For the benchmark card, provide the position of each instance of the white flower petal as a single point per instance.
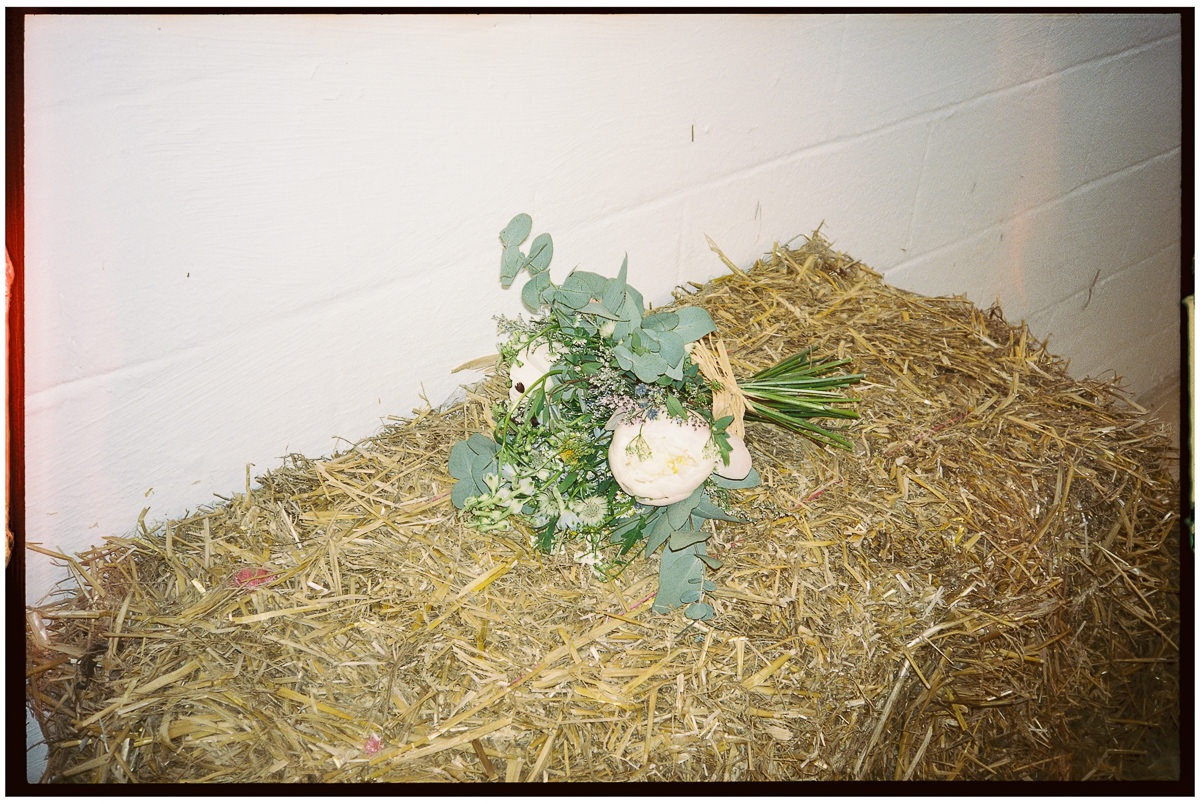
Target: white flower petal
(530, 365)
(739, 460)
(660, 461)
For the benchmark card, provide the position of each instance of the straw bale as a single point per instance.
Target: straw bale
(986, 588)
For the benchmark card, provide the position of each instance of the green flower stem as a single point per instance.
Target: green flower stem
(795, 390)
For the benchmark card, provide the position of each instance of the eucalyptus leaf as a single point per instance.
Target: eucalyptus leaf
(699, 611)
(517, 230)
(574, 297)
(593, 283)
(647, 338)
(683, 538)
(662, 322)
(678, 513)
(749, 481)
(690, 597)
(629, 314)
(480, 443)
(531, 293)
(462, 490)
(624, 356)
(670, 347)
(483, 465)
(541, 250)
(706, 509)
(679, 572)
(614, 291)
(597, 308)
(660, 531)
(636, 304)
(694, 323)
(460, 460)
(511, 260)
(649, 367)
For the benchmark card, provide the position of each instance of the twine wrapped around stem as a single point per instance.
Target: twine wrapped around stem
(728, 399)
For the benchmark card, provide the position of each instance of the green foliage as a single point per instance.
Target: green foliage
(470, 462)
(680, 580)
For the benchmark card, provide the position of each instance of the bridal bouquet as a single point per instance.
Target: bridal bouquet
(623, 430)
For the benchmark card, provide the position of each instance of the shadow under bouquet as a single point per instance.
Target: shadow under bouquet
(623, 430)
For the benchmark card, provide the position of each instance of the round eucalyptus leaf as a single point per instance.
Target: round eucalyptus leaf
(649, 367)
(540, 252)
(670, 346)
(534, 290)
(694, 323)
(517, 230)
(660, 321)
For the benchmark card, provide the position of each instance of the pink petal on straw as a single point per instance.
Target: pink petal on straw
(252, 577)
(373, 745)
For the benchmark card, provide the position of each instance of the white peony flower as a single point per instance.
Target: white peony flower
(530, 365)
(659, 461)
(739, 460)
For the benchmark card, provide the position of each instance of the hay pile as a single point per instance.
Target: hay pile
(987, 588)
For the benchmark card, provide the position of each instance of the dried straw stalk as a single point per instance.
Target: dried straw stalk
(987, 588)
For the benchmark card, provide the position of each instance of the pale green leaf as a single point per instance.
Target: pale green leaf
(517, 230)
(540, 252)
(694, 323)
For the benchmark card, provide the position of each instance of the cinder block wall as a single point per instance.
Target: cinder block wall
(255, 235)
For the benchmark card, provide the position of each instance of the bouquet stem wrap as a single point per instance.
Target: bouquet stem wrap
(728, 399)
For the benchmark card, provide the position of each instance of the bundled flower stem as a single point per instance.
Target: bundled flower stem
(795, 390)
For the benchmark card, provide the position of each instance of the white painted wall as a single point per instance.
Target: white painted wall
(252, 235)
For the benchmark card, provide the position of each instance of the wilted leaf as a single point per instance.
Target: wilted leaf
(779, 733)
